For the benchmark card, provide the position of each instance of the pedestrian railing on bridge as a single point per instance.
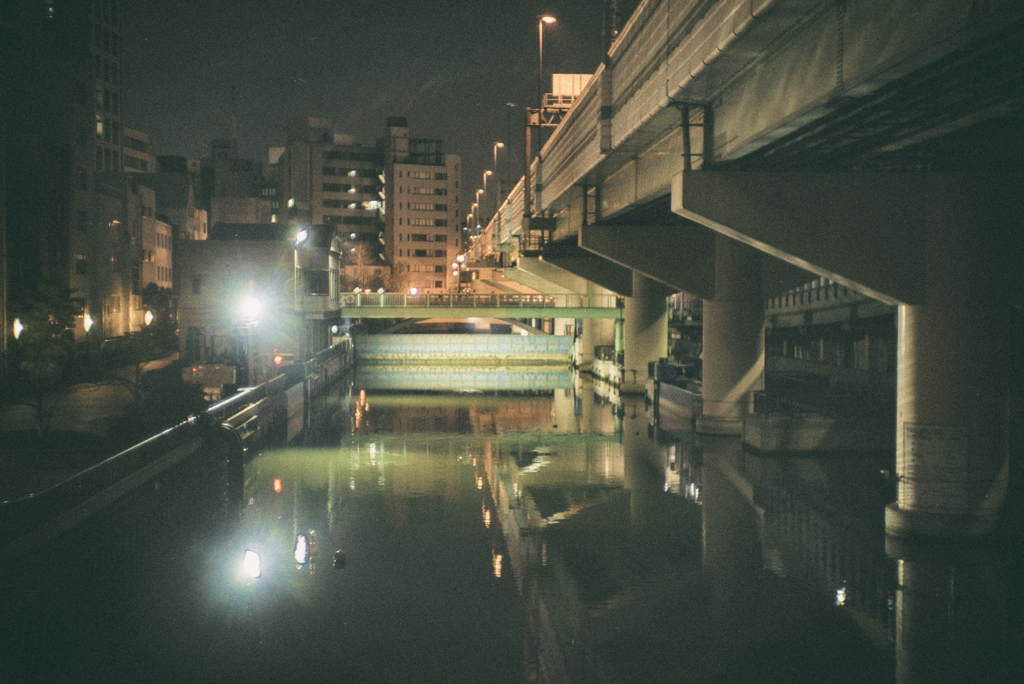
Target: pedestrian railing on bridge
(480, 301)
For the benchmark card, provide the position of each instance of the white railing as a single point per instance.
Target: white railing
(480, 301)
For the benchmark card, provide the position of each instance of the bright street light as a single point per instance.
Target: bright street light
(18, 328)
(252, 307)
(541, 21)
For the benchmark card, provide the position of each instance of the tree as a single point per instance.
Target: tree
(44, 351)
(161, 303)
(363, 266)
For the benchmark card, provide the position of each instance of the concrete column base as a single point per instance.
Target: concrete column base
(715, 425)
(901, 522)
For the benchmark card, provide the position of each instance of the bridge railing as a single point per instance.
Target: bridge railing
(479, 301)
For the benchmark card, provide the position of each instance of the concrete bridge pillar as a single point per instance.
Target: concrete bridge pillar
(946, 247)
(645, 332)
(643, 462)
(951, 620)
(733, 556)
(952, 371)
(733, 348)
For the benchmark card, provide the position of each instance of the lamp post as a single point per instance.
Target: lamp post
(497, 146)
(541, 21)
(486, 196)
(508, 139)
(251, 311)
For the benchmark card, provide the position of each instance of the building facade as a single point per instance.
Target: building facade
(66, 222)
(293, 276)
(110, 257)
(329, 179)
(138, 155)
(422, 217)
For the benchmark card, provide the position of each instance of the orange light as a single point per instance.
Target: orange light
(362, 397)
(277, 485)
(278, 359)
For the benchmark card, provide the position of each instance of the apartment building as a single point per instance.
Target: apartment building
(421, 225)
(138, 155)
(328, 178)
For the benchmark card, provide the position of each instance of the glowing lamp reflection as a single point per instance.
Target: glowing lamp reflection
(301, 548)
(277, 485)
(496, 564)
(251, 563)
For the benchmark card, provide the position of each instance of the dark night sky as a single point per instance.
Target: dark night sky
(449, 66)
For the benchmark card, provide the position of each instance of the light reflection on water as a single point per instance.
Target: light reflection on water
(566, 539)
(552, 535)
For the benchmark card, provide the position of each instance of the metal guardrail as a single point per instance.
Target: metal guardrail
(55, 510)
(480, 301)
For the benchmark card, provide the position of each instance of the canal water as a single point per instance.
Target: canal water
(554, 534)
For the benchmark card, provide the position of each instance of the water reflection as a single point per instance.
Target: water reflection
(550, 535)
(464, 378)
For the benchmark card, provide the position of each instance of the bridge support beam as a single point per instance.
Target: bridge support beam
(594, 332)
(645, 331)
(733, 345)
(946, 248)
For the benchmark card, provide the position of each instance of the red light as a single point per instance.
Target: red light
(278, 359)
(362, 397)
(277, 485)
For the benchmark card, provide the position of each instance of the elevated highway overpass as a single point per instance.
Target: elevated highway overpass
(734, 149)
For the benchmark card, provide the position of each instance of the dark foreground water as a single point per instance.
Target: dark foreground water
(553, 535)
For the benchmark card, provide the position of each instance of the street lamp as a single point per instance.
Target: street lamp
(250, 311)
(541, 21)
(497, 146)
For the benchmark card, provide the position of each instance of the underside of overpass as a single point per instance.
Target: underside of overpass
(880, 145)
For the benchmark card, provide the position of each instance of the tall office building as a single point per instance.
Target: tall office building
(421, 224)
(137, 153)
(328, 178)
(60, 115)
